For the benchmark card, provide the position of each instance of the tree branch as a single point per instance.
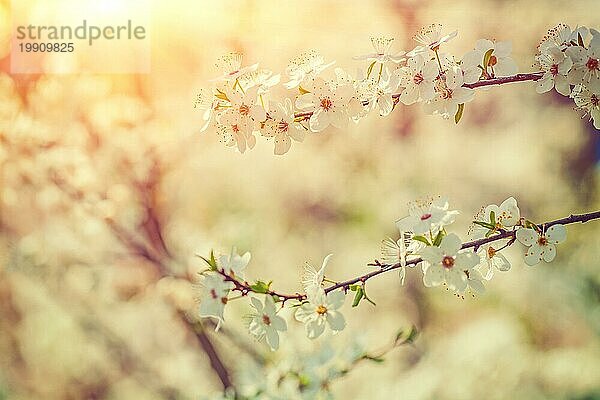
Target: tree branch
(244, 287)
(532, 76)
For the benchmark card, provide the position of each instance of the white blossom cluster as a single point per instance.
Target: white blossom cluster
(570, 60)
(241, 103)
(424, 243)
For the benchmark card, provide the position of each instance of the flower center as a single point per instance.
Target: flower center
(321, 310)
(418, 78)
(266, 320)
(595, 100)
(493, 61)
(282, 126)
(447, 94)
(592, 64)
(425, 217)
(213, 293)
(542, 241)
(448, 262)
(491, 252)
(235, 128)
(244, 109)
(554, 69)
(224, 300)
(326, 104)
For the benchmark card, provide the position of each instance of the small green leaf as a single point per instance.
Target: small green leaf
(358, 296)
(422, 239)
(459, 113)
(302, 90)
(260, 286)
(370, 69)
(405, 336)
(486, 58)
(373, 358)
(484, 224)
(354, 288)
(493, 218)
(211, 261)
(438, 238)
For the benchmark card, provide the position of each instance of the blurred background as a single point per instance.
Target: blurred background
(108, 191)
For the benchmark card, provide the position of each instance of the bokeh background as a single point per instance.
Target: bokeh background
(108, 191)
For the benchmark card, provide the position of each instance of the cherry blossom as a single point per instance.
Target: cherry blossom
(214, 298)
(417, 79)
(320, 310)
(445, 264)
(282, 126)
(313, 279)
(499, 62)
(556, 65)
(449, 94)
(265, 324)
(490, 259)
(588, 101)
(328, 105)
(382, 54)
(542, 244)
(427, 215)
(231, 65)
(586, 63)
(304, 67)
(233, 263)
(431, 38)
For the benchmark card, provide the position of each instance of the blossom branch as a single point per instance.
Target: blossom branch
(244, 288)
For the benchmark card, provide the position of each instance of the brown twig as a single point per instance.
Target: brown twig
(244, 287)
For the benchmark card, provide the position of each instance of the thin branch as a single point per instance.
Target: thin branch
(532, 76)
(244, 287)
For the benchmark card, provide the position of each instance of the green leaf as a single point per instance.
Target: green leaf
(406, 336)
(373, 358)
(422, 239)
(484, 224)
(493, 218)
(438, 238)
(358, 296)
(211, 261)
(354, 288)
(459, 113)
(486, 58)
(261, 287)
(302, 90)
(370, 69)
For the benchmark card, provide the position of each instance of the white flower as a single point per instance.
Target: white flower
(382, 55)
(427, 215)
(265, 323)
(449, 93)
(382, 93)
(542, 244)
(445, 264)
(562, 37)
(239, 121)
(262, 78)
(417, 79)
(206, 105)
(281, 126)
(505, 216)
(489, 260)
(306, 66)
(328, 105)
(233, 264)
(397, 252)
(555, 65)
(311, 278)
(320, 310)
(586, 63)
(588, 101)
(499, 63)
(474, 282)
(231, 65)
(470, 66)
(430, 38)
(214, 297)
